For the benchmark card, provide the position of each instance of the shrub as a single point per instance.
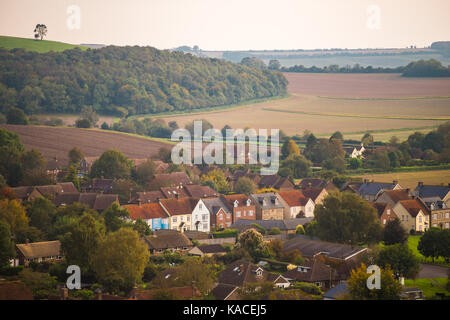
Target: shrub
(259, 228)
(308, 288)
(11, 271)
(274, 231)
(226, 233)
(83, 123)
(84, 294)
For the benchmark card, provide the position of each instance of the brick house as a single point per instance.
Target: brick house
(220, 215)
(385, 212)
(241, 206)
(413, 215)
(297, 204)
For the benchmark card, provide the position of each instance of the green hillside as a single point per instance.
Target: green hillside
(35, 45)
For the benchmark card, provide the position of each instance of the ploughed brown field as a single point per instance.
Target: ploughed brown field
(56, 142)
(350, 103)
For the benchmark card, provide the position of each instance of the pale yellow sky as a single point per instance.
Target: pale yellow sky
(235, 24)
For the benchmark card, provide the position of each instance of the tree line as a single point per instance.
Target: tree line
(126, 81)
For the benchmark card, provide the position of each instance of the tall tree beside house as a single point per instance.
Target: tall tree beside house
(75, 155)
(11, 149)
(394, 233)
(218, 178)
(295, 166)
(194, 270)
(357, 285)
(141, 227)
(347, 218)
(72, 176)
(289, 147)
(429, 243)
(79, 245)
(145, 172)
(245, 185)
(120, 259)
(6, 245)
(401, 259)
(367, 139)
(165, 154)
(115, 217)
(41, 213)
(112, 164)
(13, 214)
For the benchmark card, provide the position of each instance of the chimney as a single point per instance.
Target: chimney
(395, 182)
(177, 196)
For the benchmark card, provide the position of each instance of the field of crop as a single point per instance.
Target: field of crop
(410, 179)
(34, 45)
(351, 103)
(56, 142)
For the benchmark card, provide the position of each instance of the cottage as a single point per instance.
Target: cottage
(427, 192)
(241, 273)
(181, 213)
(98, 185)
(391, 197)
(208, 250)
(369, 190)
(151, 213)
(28, 193)
(276, 182)
(317, 195)
(316, 272)
(168, 240)
(174, 179)
(38, 252)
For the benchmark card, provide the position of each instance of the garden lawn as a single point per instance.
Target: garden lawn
(429, 287)
(413, 242)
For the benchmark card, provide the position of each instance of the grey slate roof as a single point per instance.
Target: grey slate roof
(372, 188)
(269, 200)
(310, 248)
(432, 191)
(336, 291)
(214, 205)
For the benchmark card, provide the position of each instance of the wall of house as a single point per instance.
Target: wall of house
(201, 218)
(440, 218)
(244, 212)
(176, 221)
(272, 214)
(408, 222)
(387, 216)
(422, 222)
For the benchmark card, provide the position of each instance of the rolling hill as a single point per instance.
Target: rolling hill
(36, 45)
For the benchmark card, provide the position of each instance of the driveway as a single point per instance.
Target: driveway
(432, 271)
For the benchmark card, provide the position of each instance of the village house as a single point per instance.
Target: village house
(440, 214)
(53, 168)
(413, 215)
(28, 193)
(385, 212)
(241, 206)
(355, 152)
(168, 240)
(316, 183)
(98, 185)
(269, 206)
(146, 197)
(433, 193)
(275, 182)
(317, 195)
(220, 215)
(173, 179)
(369, 190)
(316, 272)
(298, 205)
(201, 217)
(186, 214)
(94, 201)
(38, 252)
(86, 164)
(391, 197)
(241, 273)
(151, 213)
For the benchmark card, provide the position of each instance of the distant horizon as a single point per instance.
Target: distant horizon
(218, 50)
(233, 25)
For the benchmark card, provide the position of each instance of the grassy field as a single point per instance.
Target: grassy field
(410, 179)
(34, 45)
(386, 104)
(429, 286)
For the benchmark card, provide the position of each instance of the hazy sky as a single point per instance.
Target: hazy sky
(234, 24)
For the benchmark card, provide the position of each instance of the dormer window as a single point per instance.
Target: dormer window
(236, 203)
(248, 202)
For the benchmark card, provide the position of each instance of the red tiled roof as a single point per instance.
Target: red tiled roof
(294, 198)
(241, 198)
(397, 195)
(413, 206)
(197, 191)
(312, 193)
(146, 211)
(179, 206)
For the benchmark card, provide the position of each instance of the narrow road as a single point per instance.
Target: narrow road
(432, 271)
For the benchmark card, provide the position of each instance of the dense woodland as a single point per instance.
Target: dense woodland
(127, 81)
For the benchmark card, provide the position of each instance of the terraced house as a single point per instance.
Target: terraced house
(269, 206)
(186, 214)
(241, 206)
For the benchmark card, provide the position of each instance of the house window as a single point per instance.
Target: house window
(384, 221)
(420, 228)
(238, 214)
(188, 218)
(388, 211)
(447, 225)
(174, 219)
(420, 219)
(407, 218)
(205, 226)
(200, 206)
(403, 218)
(447, 215)
(435, 216)
(220, 216)
(250, 213)
(205, 217)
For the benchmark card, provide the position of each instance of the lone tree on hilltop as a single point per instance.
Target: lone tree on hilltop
(40, 31)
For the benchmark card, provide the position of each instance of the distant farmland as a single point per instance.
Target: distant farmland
(351, 103)
(56, 142)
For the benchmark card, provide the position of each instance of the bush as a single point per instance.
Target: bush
(226, 233)
(258, 228)
(308, 288)
(84, 294)
(83, 123)
(274, 231)
(11, 271)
